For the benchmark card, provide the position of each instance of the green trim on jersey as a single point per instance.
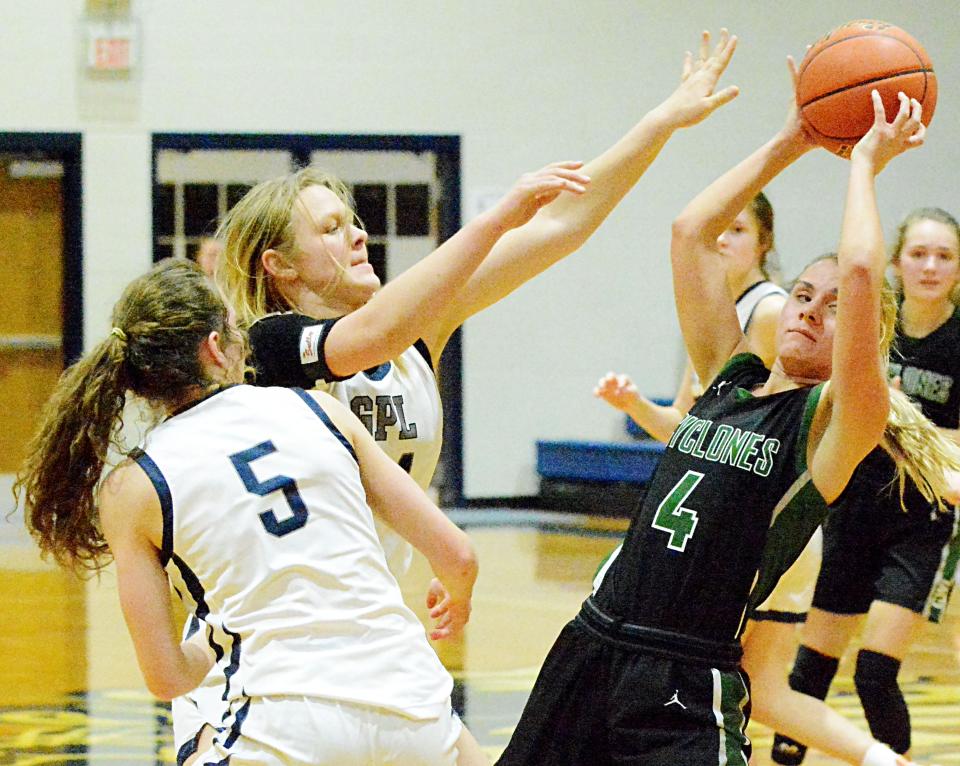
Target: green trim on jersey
(795, 517)
(735, 361)
(730, 697)
(943, 583)
(801, 510)
(813, 399)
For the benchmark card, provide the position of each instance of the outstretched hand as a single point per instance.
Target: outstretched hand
(694, 100)
(450, 614)
(617, 390)
(885, 140)
(541, 187)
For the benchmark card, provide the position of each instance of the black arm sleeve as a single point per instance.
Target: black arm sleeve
(288, 350)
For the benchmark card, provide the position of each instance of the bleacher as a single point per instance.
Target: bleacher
(602, 478)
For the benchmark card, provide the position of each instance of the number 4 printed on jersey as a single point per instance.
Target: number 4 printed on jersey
(672, 517)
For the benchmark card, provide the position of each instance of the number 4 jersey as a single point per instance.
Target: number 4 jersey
(269, 541)
(730, 507)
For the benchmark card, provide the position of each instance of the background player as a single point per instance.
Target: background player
(744, 249)
(891, 587)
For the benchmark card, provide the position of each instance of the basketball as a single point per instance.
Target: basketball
(840, 70)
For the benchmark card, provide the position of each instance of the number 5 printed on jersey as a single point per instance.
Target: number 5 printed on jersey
(672, 517)
(241, 461)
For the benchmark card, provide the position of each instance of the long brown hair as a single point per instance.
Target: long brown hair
(762, 212)
(262, 221)
(158, 326)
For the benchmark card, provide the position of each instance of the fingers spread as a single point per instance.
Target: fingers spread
(704, 45)
(725, 49)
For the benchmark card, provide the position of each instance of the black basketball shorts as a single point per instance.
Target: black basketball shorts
(598, 702)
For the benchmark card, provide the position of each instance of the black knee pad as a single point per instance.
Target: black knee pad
(883, 703)
(813, 672)
(812, 675)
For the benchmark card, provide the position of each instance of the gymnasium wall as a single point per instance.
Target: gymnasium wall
(522, 82)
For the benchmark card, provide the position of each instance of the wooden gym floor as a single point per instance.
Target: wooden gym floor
(70, 691)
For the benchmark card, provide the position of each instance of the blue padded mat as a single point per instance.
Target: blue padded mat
(598, 461)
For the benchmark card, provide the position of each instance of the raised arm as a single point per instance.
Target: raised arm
(409, 307)
(658, 420)
(706, 310)
(130, 516)
(859, 399)
(564, 225)
(398, 499)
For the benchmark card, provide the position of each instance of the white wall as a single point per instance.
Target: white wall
(523, 82)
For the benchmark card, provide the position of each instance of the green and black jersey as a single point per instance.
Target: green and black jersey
(929, 369)
(729, 508)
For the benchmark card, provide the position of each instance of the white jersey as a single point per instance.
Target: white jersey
(269, 541)
(751, 297)
(746, 306)
(399, 404)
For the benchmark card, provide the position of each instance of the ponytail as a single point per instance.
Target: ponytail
(153, 351)
(66, 456)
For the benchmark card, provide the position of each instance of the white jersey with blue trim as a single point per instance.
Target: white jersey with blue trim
(399, 404)
(750, 298)
(746, 306)
(269, 541)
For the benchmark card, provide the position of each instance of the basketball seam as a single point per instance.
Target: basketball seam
(868, 33)
(874, 79)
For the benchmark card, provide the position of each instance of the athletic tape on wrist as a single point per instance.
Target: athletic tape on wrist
(879, 754)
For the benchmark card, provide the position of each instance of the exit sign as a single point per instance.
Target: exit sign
(111, 46)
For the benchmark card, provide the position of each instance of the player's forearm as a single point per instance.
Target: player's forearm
(657, 420)
(613, 173)
(808, 720)
(455, 565)
(708, 215)
(409, 307)
(860, 390)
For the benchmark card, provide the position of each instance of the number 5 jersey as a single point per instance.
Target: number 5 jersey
(269, 541)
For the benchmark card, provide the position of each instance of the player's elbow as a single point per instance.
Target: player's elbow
(165, 687)
(684, 231)
(167, 683)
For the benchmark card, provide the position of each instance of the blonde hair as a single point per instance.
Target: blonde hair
(922, 454)
(261, 221)
(153, 350)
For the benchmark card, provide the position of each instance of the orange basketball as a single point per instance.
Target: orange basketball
(840, 70)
